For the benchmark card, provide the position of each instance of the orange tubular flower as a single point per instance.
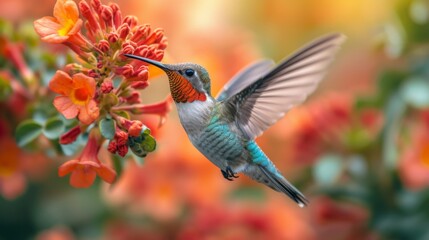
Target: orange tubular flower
(63, 25)
(86, 167)
(77, 96)
(159, 108)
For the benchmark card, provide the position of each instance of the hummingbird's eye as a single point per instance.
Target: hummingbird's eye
(189, 72)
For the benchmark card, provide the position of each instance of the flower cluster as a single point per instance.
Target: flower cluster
(102, 88)
(330, 123)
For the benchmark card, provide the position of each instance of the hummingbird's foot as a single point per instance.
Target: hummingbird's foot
(228, 174)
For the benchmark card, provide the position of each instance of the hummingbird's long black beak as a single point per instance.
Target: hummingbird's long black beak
(150, 61)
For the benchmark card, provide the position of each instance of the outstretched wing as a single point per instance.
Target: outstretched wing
(244, 78)
(265, 101)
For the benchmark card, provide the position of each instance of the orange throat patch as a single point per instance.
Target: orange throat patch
(182, 90)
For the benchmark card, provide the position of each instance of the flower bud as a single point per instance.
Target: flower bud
(100, 64)
(107, 15)
(117, 14)
(140, 85)
(159, 55)
(133, 98)
(70, 136)
(128, 49)
(135, 129)
(112, 147)
(96, 4)
(140, 34)
(127, 70)
(122, 150)
(93, 73)
(123, 31)
(106, 86)
(131, 21)
(87, 13)
(163, 43)
(73, 68)
(112, 37)
(103, 45)
(141, 50)
(155, 37)
(121, 137)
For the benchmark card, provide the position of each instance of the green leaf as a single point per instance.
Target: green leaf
(149, 143)
(40, 117)
(327, 169)
(146, 130)
(415, 92)
(109, 100)
(54, 127)
(123, 114)
(26, 32)
(248, 192)
(367, 102)
(118, 164)
(393, 112)
(389, 83)
(357, 139)
(413, 23)
(71, 149)
(5, 89)
(5, 28)
(107, 128)
(27, 131)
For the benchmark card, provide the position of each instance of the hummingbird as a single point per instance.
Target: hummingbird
(224, 128)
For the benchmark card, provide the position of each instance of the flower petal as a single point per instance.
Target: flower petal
(67, 167)
(70, 7)
(61, 83)
(82, 81)
(90, 163)
(66, 11)
(106, 173)
(66, 107)
(46, 26)
(76, 28)
(89, 113)
(54, 38)
(82, 177)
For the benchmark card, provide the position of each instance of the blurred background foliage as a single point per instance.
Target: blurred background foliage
(358, 148)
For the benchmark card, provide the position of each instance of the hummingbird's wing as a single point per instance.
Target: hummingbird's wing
(244, 78)
(266, 100)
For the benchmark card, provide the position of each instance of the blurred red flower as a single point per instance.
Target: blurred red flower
(340, 220)
(16, 165)
(272, 219)
(328, 123)
(56, 233)
(414, 163)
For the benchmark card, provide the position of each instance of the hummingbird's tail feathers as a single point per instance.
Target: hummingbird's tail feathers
(279, 183)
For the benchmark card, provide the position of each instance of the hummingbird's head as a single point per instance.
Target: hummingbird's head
(188, 82)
